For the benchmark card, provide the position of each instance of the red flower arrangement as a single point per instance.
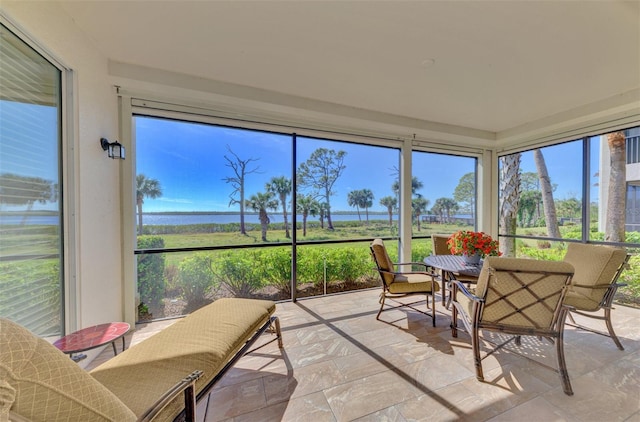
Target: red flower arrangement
(469, 243)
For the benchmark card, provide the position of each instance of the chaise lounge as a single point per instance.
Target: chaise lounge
(145, 382)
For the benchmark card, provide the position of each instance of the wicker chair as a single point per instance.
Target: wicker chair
(594, 283)
(516, 296)
(440, 247)
(396, 284)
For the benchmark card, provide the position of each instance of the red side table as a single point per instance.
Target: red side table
(92, 337)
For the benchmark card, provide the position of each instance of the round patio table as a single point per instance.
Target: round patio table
(453, 267)
(92, 337)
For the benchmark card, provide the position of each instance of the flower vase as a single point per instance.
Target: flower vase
(473, 259)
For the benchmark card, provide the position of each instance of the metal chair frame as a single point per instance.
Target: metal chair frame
(474, 323)
(606, 305)
(387, 294)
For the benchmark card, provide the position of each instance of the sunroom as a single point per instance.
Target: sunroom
(264, 145)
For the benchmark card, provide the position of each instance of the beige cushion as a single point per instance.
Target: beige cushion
(205, 340)
(383, 260)
(595, 265)
(411, 283)
(14, 417)
(500, 277)
(580, 301)
(440, 246)
(466, 303)
(400, 283)
(41, 383)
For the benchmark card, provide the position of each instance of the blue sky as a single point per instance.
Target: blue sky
(188, 160)
(564, 164)
(24, 149)
(29, 139)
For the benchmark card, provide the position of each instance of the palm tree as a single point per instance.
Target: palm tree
(307, 206)
(416, 185)
(145, 188)
(261, 202)
(353, 200)
(322, 212)
(419, 206)
(616, 200)
(445, 206)
(391, 203)
(438, 210)
(550, 217)
(451, 206)
(509, 199)
(366, 201)
(281, 186)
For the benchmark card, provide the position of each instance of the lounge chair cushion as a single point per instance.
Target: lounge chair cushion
(207, 339)
(40, 383)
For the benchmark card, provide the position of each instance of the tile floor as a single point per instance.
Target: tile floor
(340, 364)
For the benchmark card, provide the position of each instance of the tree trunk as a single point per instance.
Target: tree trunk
(390, 211)
(616, 201)
(264, 224)
(264, 232)
(242, 228)
(23, 221)
(285, 217)
(550, 217)
(139, 203)
(329, 222)
(304, 224)
(509, 199)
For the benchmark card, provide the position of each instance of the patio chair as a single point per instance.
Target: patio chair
(516, 296)
(439, 242)
(595, 283)
(397, 284)
(440, 247)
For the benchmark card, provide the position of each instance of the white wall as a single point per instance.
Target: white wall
(96, 177)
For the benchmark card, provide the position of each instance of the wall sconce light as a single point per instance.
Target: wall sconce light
(115, 149)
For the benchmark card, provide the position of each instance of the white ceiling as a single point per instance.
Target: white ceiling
(489, 65)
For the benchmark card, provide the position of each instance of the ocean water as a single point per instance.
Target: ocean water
(181, 219)
(204, 218)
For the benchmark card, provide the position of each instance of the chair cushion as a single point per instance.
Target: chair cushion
(466, 303)
(595, 265)
(41, 383)
(580, 301)
(504, 280)
(383, 260)
(412, 283)
(440, 246)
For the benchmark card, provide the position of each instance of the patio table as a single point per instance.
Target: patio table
(453, 267)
